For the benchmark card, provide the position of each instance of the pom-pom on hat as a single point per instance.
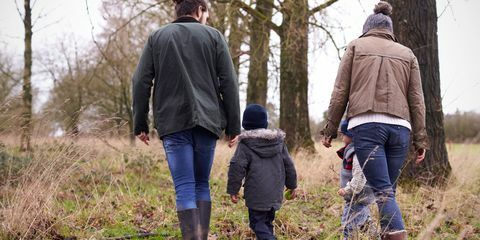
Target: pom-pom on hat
(380, 17)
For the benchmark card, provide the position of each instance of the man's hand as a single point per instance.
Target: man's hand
(327, 141)
(232, 140)
(341, 192)
(144, 138)
(420, 155)
(234, 198)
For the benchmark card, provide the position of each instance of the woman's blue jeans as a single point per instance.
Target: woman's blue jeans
(190, 156)
(381, 150)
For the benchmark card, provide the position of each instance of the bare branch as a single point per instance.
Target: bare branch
(329, 34)
(41, 14)
(449, 5)
(8, 74)
(34, 3)
(254, 13)
(48, 25)
(321, 7)
(133, 18)
(18, 10)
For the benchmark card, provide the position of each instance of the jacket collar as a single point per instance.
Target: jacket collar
(268, 134)
(380, 33)
(186, 19)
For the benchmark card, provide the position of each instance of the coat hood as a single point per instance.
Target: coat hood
(264, 142)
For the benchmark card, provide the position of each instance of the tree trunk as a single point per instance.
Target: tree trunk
(415, 24)
(259, 55)
(26, 122)
(219, 16)
(294, 116)
(235, 37)
(130, 119)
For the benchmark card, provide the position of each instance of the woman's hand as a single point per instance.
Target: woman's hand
(420, 155)
(327, 141)
(341, 192)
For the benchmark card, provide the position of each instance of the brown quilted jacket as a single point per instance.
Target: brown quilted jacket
(379, 75)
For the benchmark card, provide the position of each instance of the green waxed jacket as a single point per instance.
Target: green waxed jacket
(193, 78)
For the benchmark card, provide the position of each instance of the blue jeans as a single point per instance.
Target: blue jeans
(381, 150)
(261, 222)
(190, 156)
(354, 217)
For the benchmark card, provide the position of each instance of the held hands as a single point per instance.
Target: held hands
(234, 198)
(144, 138)
(232, 140)
(342, 192)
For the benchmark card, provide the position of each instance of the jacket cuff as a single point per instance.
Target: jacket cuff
(232, 132)
(140, 130)
(421, 141)
(232, 192)
(291, 186)
(329, 131)
(348, 190)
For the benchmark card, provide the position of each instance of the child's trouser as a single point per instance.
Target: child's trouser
(354, 217)
(261, 222)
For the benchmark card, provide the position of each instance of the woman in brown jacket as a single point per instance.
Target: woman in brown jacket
(379, 80)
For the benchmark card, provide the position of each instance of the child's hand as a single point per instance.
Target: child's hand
(232, 141)
(341, 192)
(234, 198)
(290, 194)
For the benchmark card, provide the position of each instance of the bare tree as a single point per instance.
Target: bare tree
(259, 54)
(293, 32)
(26, 121)
(119, 44)
(70, 94)
(416, 26)
(237, 33)
(9, 79)
(10, 106)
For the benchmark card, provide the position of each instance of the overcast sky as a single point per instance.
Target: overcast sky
(459, 34)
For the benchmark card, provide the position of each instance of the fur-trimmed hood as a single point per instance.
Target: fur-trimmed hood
(265, 143)
(268, 134)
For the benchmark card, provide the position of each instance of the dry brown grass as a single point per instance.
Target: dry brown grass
(106, 181)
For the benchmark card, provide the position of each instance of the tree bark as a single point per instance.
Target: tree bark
(415, 26)
(218, 19)
(235, 37)
(294, 115)
(26, 121)
(259, 55)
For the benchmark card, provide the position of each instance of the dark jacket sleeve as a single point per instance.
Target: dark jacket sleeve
(416, 104)
(290, 172)
(340, 95)
(237, 170)
(142, 82)
(228, 87)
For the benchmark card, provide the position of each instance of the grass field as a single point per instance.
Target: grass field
(92, 189)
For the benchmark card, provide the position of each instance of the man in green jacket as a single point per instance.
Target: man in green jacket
(195, 98)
